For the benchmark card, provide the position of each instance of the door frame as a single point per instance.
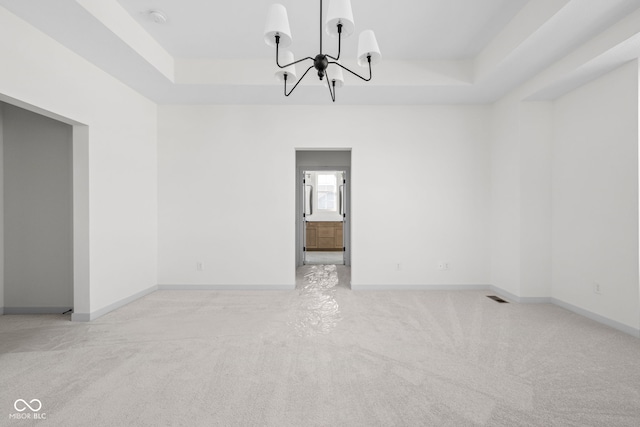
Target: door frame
(299, 223)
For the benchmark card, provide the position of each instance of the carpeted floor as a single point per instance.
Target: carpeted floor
(246, 358)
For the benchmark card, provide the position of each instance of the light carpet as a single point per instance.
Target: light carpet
(240, 358)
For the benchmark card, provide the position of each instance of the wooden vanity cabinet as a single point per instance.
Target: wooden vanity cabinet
(324, 236)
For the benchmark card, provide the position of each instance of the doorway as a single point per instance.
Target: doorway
(323, 203)
(37, 213)
(323, 215)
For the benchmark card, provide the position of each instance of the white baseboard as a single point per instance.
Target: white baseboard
(598, 318)
(419, 287)
(521, 300)
(507, 296)
(80, 317)
(87, 317)
(226, 287)
(581, 311)
(34, 310)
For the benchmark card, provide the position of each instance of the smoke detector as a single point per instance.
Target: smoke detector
(157, 16)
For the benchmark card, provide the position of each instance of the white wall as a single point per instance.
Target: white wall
(564, 198)
(38, 246)
(505, 196)
(426, 197)
(41, 75)
(519, 167)
(536, 130)
(595, 196)
(521, 197)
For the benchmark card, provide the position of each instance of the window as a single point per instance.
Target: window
(327, 192)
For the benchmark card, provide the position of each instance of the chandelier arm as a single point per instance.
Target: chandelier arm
(339, 44)
(297, 83)
(354, 73)
(287, 65)
(320, 62)
(330, 83)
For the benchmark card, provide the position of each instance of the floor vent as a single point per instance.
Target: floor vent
(497, 299)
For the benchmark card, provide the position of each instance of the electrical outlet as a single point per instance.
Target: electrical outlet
(443, 265)
(199, 266)
(597, 288)
(398, 266)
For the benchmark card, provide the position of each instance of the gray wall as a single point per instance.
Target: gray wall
(323, 158)
(38, 220)
(1, 210)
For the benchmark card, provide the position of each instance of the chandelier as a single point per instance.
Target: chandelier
(339, 24)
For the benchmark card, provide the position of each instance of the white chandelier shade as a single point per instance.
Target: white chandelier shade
(290, 70)
(277, 25)
(339, 12)
(339, 23)
(335, 75)
(368, 46)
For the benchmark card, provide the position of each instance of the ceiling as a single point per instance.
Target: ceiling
(433, 51)
(446, 29)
